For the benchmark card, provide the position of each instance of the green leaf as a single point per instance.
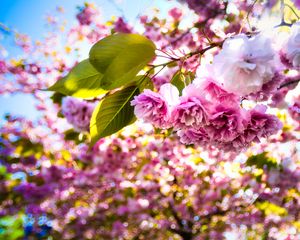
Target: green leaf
(2, 170)
(189, 77)
(26, 148)
(71, 135)
(261, 160)
(120, 57)
(11, 227)
(57, 98)
(178, 81)
(83, 81)
(265, 235)
(129, 192)
(113, 113)
(143, 82)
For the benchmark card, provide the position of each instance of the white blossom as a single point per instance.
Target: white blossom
(293, 46)
(245, 64)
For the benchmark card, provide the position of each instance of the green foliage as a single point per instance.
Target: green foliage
(120, 57)
(71, 135)
(142, 81)
(2, 170)
(178, 80)
(265, 235)
(11, 227)
(83, 81)
(189, 77)
(262, 160)
(113, 113)
(57, 98)
(129, 192)
(26, 148)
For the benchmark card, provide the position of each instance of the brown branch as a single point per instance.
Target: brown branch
(186, 235)
(178, 38)
(175, 215)
(289, 83)
(200, 52)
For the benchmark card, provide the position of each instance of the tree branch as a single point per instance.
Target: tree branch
(202, 51)
(289, 83)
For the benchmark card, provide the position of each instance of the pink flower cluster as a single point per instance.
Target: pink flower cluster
(206, 9)
(87, 15)
(206, 115)
(209, 112)
(77, 112)
(3, 67)
(155, 108)
(121, 26)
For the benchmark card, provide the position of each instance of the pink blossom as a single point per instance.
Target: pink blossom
(77, 112)
(151, 107)
(206, 9)
(3, 67)
(294, 110)
(214, 92)
(262, 124)
(155, 107)
(290, 53)
(190, 113)
(268, 89)
(225, 123)
(278, 98)
(193, 136)
(175, 13)
(121, 26)
(245, 63)
(87, 15)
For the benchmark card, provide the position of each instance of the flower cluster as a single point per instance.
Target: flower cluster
(121, 26)
(87, 15)
(209, 112)
(77, 112)
(245, 64)
(156, 108)
(206, 114)
(3, 67)
(206, 9)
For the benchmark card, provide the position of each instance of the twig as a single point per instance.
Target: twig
(283, 22)
(179, 38)
(292, 9)
(248, 14)
(289, 83)
(202, 51)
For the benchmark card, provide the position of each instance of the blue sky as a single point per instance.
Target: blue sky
(28, 16)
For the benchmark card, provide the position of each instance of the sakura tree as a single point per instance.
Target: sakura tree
(183, 126)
